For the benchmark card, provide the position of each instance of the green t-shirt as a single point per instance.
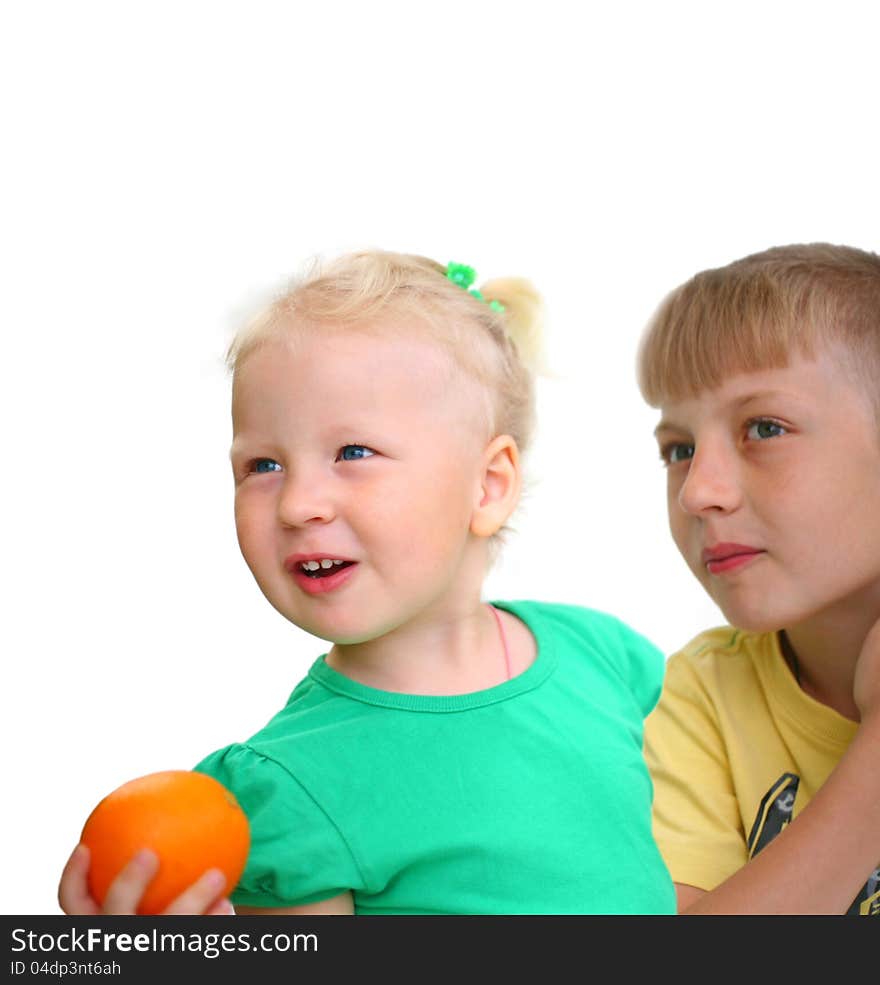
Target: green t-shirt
(528, 797)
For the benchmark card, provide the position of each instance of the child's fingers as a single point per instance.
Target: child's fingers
(73, 890)
(128, 887)
(202, 895)
(222, 908)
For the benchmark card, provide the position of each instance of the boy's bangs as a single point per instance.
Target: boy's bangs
(704, 333)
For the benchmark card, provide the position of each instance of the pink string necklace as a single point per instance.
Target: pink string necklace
(503, 641)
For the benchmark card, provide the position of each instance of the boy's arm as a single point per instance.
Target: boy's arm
(820, 861)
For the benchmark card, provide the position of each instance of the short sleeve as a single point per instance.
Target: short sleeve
(297, 855)
(696, 816)
(646, 666)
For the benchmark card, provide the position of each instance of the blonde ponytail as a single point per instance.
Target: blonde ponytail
(523, 316)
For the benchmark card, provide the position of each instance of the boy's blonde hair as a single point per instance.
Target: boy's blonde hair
(381, 290)
(756, 312)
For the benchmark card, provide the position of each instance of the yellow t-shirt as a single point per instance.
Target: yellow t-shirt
(736, 749)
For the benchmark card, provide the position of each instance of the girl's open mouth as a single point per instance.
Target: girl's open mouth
(317, 577)
(324, 568)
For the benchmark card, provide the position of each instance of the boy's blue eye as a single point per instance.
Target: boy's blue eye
(763, 429)
(351, 453)
(679, 452)
(260, 465)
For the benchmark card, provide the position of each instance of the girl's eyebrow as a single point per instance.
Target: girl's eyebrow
(239, 446)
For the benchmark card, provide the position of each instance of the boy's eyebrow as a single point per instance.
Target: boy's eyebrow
(665, 425)
(746, 398)
(767, 393)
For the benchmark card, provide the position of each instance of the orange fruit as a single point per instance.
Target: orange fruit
(190, 820)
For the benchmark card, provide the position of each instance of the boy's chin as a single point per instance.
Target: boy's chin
(753, 622)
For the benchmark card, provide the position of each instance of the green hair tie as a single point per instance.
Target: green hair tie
(463, 275)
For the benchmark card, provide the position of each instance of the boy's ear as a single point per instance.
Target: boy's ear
(499, 488)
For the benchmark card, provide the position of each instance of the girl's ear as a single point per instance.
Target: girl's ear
(499, 488)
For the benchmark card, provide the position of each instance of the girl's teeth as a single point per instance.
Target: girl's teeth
(323, 563)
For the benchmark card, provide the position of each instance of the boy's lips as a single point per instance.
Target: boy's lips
(725, 557)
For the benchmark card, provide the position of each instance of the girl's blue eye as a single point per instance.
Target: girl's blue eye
(679, 452)
(260, 465)
(763, 429)
(351, 453)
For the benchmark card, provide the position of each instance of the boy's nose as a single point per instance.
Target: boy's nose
(711, 483)
(305, 501)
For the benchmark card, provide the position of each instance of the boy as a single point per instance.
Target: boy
(765, 746)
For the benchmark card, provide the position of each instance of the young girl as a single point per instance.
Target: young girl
(445, 755)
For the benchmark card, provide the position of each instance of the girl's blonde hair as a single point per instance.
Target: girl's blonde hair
(756, 312)
(379, 290)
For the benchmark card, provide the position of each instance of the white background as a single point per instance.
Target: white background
(167, 164)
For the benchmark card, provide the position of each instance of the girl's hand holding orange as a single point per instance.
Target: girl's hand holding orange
(127, 890)
(167, 843)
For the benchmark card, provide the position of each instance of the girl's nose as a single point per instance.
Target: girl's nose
(305, 501)
(712, 482)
